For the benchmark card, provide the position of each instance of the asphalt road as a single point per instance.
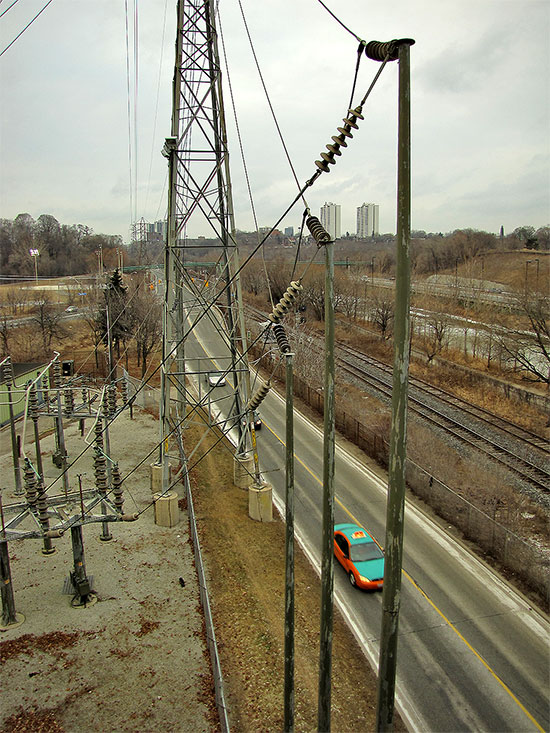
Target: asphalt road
(473, 655)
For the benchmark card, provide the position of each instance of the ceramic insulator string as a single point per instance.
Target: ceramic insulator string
(281, 338)
(289, 297)
(259, 397)
(339, 141)
(318, 231)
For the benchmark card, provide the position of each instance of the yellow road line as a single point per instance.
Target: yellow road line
(432, 604)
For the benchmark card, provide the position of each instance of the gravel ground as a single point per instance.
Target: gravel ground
(137, 658)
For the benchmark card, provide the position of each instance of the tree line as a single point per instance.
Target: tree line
(121, 320)
(63, 249)
(512, 335)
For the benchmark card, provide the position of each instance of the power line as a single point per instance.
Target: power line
(25, 28)
(129, 104)
(269, 101)
(10, 7)
(136, 79)
(156, 106)
(329, 11)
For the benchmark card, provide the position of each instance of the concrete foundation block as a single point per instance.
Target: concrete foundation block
(156, 477)
(260, 504)
(243, 470)
(167, 513)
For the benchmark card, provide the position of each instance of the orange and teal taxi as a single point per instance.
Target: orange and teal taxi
(359, 555)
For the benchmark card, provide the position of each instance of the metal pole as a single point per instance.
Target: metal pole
(327, 564)
(33, 402)
(61, 443)
(289, 547)
(109, 337)
(9, 615)
(80, 579)
(227, 221)
(14, 446)
(396, 490)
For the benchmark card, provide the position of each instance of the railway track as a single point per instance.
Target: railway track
(529, 470)
(523, 453)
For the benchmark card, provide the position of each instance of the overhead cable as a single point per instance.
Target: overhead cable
(25, 28)
(8, 8)
(243, 158)
(129, 113)
(269, 102)
(329, 11)
(153, 142)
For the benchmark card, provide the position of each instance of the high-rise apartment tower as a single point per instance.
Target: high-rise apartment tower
(367, 221)
(331, 217)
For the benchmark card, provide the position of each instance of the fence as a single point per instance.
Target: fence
(527, 561)
(145, 396)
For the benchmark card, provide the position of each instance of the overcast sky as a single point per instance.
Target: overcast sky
(480, 110)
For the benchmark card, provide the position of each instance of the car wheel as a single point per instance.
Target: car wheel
(352, 579)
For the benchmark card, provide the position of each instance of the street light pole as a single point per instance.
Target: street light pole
(34, 253)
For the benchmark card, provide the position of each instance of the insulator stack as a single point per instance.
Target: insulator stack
(289, 297)
(68, 395)
(42, 506)
(33, 404)
(100, 463)
(98, 430)
(7, 373)
(259, 397)
(46, 390)
(56, 375)
(281, 338)
(339, 141)
(84, 397)
(318, 231)
(30, 485)
(111, 399)
(117, 488)
(124, 391)
(379, 51)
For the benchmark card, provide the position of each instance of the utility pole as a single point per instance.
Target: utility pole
(9, 380)
(395, 513)
(289, 547)
(327, 541)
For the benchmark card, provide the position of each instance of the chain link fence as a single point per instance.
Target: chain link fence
(145, 396)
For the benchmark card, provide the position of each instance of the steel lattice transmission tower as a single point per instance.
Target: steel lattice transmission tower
(200, 188)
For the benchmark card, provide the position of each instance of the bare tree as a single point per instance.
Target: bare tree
(48, 319)
(381, 313)
(434, 335)
(528, 345)
(347, 288)
(5, 332)
(144, 313)
(16, 300)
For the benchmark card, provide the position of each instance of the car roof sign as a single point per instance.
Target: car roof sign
(357, 535)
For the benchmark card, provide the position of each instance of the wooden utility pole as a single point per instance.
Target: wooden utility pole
(395, 514)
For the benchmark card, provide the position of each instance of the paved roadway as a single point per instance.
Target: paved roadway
(473, 655)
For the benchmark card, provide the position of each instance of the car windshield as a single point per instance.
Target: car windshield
(365, 551)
